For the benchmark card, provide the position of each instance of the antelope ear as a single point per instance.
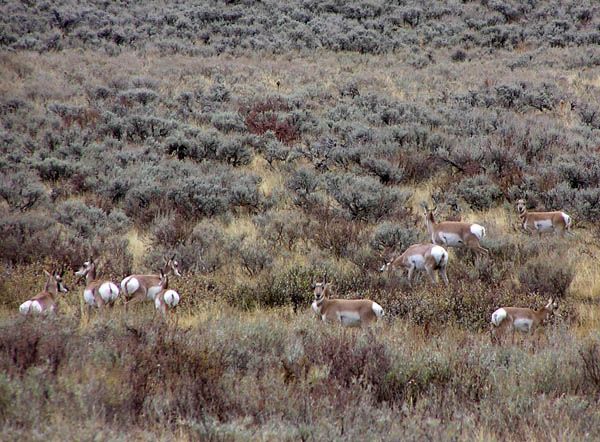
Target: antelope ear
(173, 257)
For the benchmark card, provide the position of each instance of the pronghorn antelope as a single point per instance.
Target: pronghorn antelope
(524, 320)
(428, 257)
(166, 299)
(454, 233)
(136, 288)
(349, 312)
(543, 221)
(97, 292)
(44, 302)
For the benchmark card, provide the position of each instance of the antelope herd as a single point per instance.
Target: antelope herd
(431, 257)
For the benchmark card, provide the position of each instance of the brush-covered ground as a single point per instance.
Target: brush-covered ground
(266, 145)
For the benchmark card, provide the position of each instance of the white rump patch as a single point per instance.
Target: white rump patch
(478, 231)
(171, 298)
(566, 218)
(377, 309)
(543, 225)
(349, 318)
(498, 316)
(24, 308)
(439, 254)
(108, 292)
(523, 324)
(449, 239)
(88, 297)
(130, 285)
(36, 307)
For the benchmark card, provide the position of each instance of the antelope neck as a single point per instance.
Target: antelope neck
(90, 275)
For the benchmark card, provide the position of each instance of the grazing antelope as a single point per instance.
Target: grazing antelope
(166, 299)
(543, 221)
(349, 312)
(428, 257)
(524, 320)
(454, 233)
(136, 288)
(97, 292)
(45, 302)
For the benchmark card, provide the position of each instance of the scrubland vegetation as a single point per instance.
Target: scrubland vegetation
(266, 144)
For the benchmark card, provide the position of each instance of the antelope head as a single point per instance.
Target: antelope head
(387, 264)
(172, 265)
(551, 305)
(55, 278)
(87, 267)
(521, 206)
(321, 289)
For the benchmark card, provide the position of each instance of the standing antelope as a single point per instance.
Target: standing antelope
(166, 299)
(524, 320)
(97, 292)
(136, 288)
(349, 312)
(428, 257)
(543, 221)
(44, 302)
(454, 233)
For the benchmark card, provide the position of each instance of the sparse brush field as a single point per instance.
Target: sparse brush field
(266, 144)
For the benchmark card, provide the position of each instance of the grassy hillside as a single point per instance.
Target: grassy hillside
(266, 144)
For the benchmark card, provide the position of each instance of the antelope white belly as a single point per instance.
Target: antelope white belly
(153, 291)
(418, 261)
(349, 318)
(544, 225)
(88, 297)
(449, 239)
(523, 324)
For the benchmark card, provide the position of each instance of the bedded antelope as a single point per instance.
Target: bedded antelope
(543, 221)
(428, 257)
(349, 312)
(166, 299)
(45, 302)
(454, 233)
(136, 288)
(524, 320)
(97, 292)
